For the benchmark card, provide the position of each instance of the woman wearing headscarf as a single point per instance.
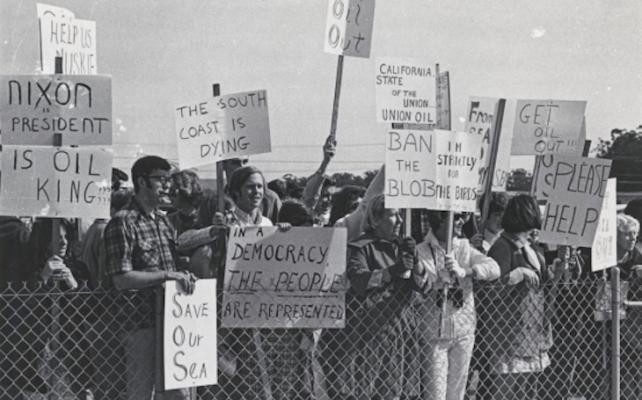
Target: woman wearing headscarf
(379, 345)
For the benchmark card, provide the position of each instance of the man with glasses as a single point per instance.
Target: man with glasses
(141, 253)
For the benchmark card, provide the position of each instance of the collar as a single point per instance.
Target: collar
(432, 241)
(515, 240)
(135, 204)
(247, 219)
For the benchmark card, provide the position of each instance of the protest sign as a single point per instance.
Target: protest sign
(405, 91)
(35, 107)
(62, 35)
(348, 28)
(62, 182)
(293, 279)
(230, 126)
(574, 188)
(548, 127)
(604, 249)
(189, 336)
(432, 169)
(479, 122)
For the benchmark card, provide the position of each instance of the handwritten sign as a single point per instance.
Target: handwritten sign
(479, 122)
(224, 127)
(293, 279)
(604, 249)
(548, 127)
(436, 169)
(405, 91)
(189, 336)
(574, 189)
(34, 107)
(61, 182)
(62, 35)
(348, 28)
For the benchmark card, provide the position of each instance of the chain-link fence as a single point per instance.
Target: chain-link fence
(553, 343)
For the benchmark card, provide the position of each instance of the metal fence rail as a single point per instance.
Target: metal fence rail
(57, 344)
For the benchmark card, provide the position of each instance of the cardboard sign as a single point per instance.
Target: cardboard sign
(348, 29)
(574, 189)
(405, 91)
(604, 249)
(293, 279)
(479, 122)
(62, 182)
(62, 35)
(34, 107)
(548, 127)
(436, 169)
(443, 101)
(189, 336)
(230, 126)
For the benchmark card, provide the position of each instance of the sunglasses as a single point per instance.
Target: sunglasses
(162, 179)
(463, 216)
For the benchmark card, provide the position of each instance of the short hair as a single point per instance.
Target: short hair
(522, 214)
(435, 218)
(296, 213)
(238, 178)
(634, 209)
(146, 165)
(374, 212)
(278, 186)
(342, 199)
(498, 202)
(120, 199)
(117, 177)
(627, 222)
(187, 186)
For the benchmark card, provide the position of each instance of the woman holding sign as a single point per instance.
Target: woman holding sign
(380, 339)
(268, 363)
(449, 352)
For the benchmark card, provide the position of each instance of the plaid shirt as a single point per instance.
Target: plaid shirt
(134, 241)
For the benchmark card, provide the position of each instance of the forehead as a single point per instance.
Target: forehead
(628, 228)
(159, 172)
(254, 179)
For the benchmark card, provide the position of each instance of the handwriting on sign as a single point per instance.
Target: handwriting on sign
(548, 127)
(349, 27)
(284, 279)
(574, 188)
(228, 126)
(190, 335)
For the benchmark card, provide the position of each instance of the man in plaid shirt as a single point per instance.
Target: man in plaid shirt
(141, 253)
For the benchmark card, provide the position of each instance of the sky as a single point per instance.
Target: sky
(161, 53)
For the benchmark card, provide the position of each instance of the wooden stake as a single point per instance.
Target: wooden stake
(220, 187)
(444, 122)
(494, 147)
(337, 96)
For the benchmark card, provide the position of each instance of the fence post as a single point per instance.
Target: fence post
(615, 333)
(159, 305)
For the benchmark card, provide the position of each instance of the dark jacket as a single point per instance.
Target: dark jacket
(381, 334)
(517, 316)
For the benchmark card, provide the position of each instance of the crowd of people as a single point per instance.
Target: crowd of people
(420, 322)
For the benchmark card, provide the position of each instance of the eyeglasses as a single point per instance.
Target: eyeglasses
(160, 178)
(462, 216)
